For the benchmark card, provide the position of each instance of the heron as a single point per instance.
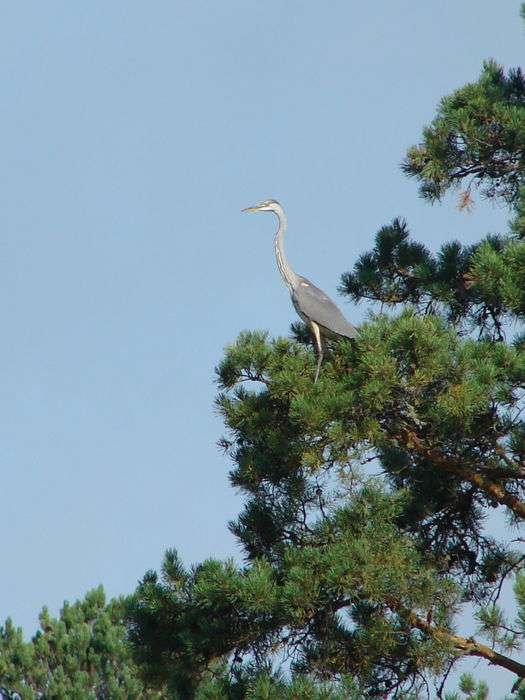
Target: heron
(314, 306)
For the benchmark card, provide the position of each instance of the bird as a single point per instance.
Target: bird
(314, 306)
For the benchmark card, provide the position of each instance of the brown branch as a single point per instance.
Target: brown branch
(468, 647)
(502, 473)
(518, 467)
(454, 466)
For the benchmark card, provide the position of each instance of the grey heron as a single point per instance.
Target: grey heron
(310, 302)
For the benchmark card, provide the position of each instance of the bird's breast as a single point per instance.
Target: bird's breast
(299, 312)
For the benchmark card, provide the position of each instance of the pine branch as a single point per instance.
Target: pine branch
(468, 647)
(453, 466)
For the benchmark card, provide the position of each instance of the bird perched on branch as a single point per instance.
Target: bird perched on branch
(310, 302)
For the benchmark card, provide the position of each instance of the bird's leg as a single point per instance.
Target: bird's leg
(319, 345)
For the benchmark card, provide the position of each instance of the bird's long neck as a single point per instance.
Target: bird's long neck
(288, 275)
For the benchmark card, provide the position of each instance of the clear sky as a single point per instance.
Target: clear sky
(132, 134)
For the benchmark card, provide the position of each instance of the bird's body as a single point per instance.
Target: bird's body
(311, 303)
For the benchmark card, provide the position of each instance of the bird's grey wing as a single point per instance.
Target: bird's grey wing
(313, 304)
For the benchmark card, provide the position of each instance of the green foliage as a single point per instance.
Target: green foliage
(475, 287)
(337, 603)
(264, 685)
(407, 373)
(472, 689)
(475, 142)
(82, 655)
(476, 139)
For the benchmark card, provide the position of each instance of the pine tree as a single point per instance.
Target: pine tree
(367, 494)
(82, 655)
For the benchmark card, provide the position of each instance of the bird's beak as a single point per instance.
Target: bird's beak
(250, 209)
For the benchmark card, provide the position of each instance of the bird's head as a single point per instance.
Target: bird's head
(267, 205)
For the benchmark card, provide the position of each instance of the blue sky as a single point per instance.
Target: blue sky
(132, 135)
